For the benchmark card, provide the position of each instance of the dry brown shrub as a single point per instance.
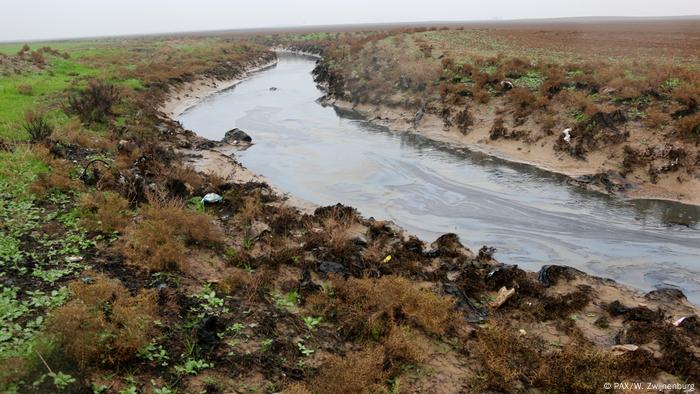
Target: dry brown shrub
(656, 118)
(511, 360)
(480, 95)
(252, 208)
(58, 178)
(369, 307)
(688, 95)
(106, 212)
(689, 127)
(507, 357)
(464, 120)
(74, 133)
(159, 241)
(581, 102)
(103, 323)
(403, 344)
(578, 369)
(338, 235)
(194, 226)
(357, 372)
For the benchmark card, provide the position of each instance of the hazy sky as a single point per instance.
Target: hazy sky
(38, 19)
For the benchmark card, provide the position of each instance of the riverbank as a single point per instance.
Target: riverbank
(189, 94)
(598, 172)
(560, 316)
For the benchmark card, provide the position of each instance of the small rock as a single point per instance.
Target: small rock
(257, 229)
(88, 280)
(212, 198)
(272, 89)
(329, 267)
(236, 136)
(503, 295)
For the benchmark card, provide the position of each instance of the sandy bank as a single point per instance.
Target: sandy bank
(192, 93)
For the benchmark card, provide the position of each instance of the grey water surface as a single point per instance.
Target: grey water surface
(429, 188)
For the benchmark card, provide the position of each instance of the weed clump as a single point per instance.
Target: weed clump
(105, 212)
(355, 373)
(159, 241)
(370, 307)
(103, 324)
(94, 104)
(38, 128)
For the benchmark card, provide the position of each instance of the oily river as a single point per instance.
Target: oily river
(429, 188)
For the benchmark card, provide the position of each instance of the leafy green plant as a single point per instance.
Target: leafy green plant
(305, 350)
(196, 204)
(287, 301)
(154, 352)
(311, 322)
(192, 366)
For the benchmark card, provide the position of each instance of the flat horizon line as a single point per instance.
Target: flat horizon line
(344, 27)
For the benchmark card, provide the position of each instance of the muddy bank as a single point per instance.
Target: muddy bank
(598, 173)
(561, 317)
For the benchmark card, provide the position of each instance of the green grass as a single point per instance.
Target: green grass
(18, 169)
(46, 85)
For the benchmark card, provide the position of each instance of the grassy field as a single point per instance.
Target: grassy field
(115, 277)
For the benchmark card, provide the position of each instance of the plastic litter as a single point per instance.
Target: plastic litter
(679, 321)
(212, 198)
(507, 85)
(567, 135)
(74, 259)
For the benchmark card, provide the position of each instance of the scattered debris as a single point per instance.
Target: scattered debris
(567, 135)
(679, 321)
(622, 349)
(212, 198)
(507, 85)
(504, 295)
(272, 89)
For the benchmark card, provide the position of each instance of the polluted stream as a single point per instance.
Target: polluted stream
(532, 217)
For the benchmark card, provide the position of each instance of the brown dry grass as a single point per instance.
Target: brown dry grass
(370, 307)
(105, 212)
(58, 178)
(512, 362)
(357, 372)
(103, 323)
(159, 241)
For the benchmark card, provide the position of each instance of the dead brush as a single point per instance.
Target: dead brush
(159, 241)
(103, 323)
(357, 372)
(36, 125)
(58, 178)
(508, 358)
(370, 307)
(251, 209)
(338, 235)
(73, 133)
(688, 128)
(95, 102)
(105, 212)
